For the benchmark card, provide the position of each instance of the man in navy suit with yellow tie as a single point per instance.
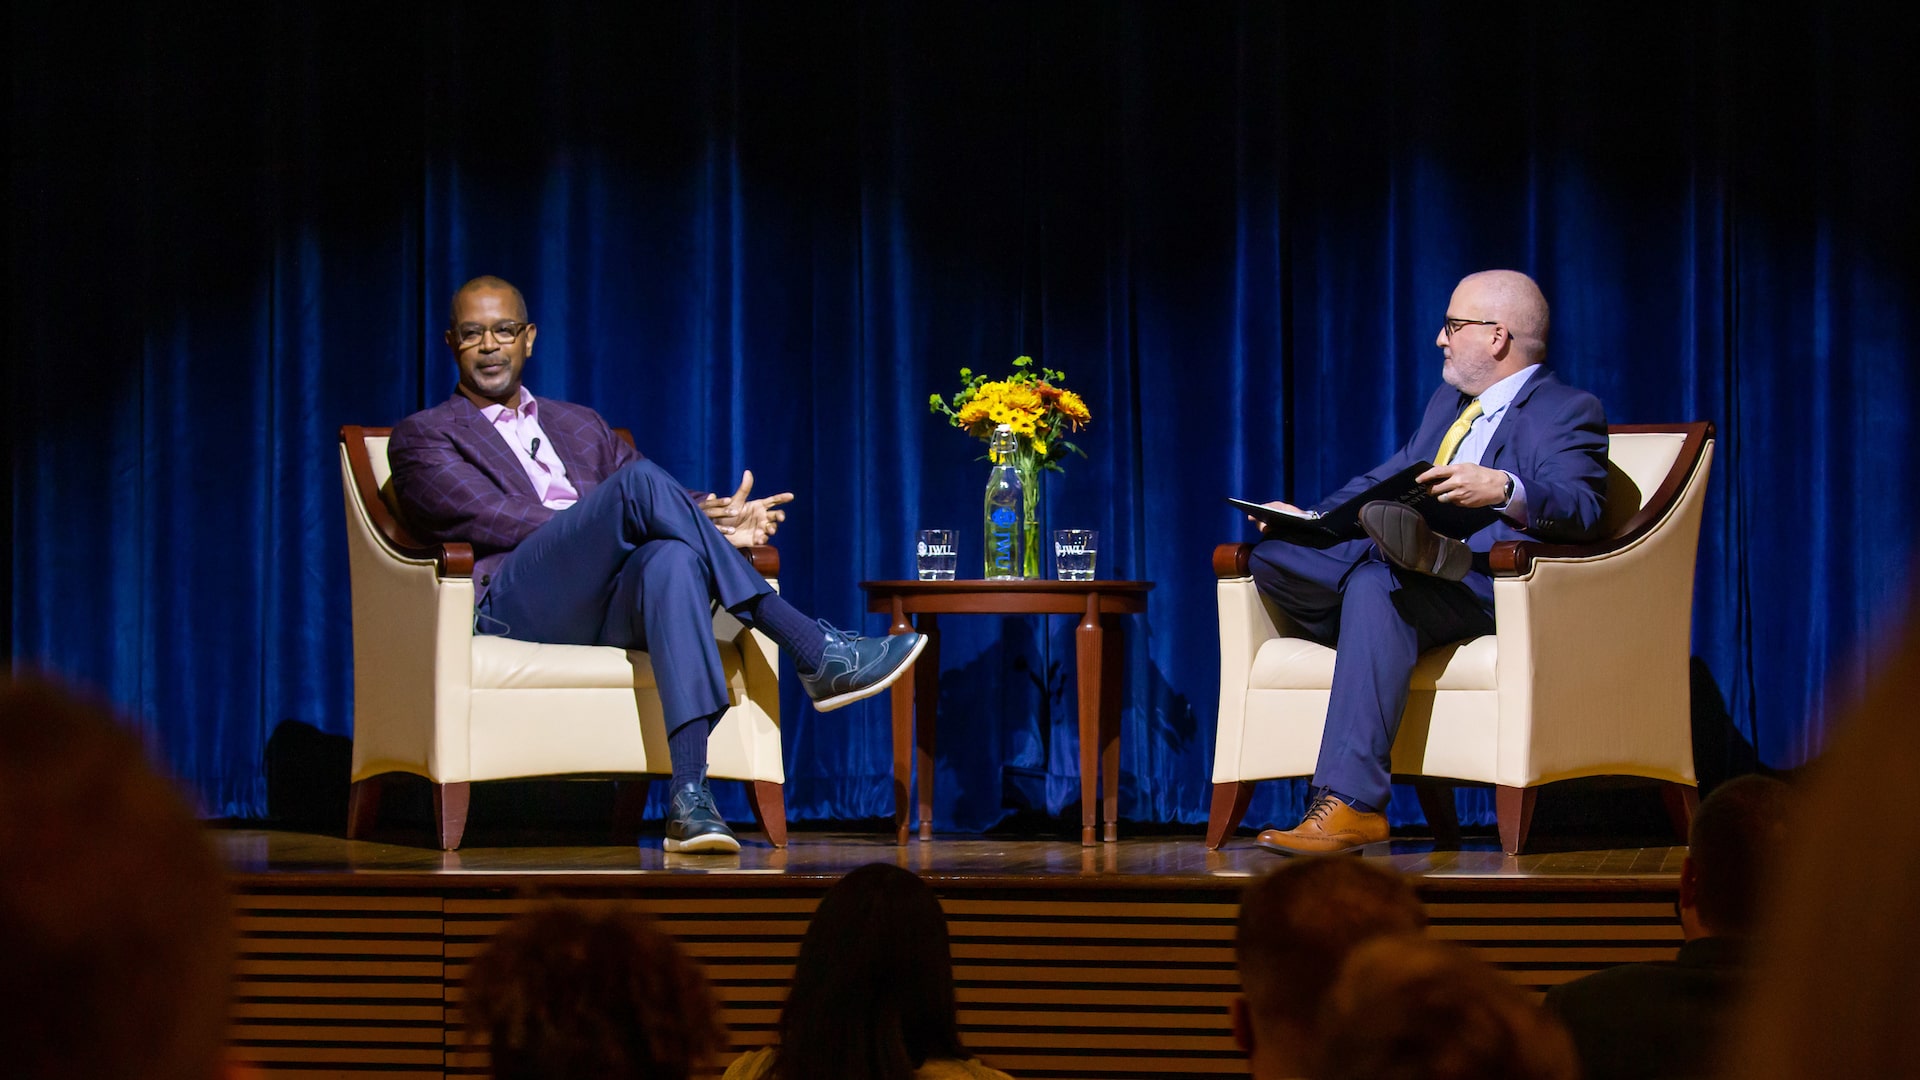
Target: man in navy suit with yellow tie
(1502, 433)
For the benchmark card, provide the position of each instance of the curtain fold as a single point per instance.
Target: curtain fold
(760, 237)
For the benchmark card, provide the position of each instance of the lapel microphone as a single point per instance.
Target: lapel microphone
(534, 450)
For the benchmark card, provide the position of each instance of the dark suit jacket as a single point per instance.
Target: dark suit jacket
(457, 479)
(1553, 437)
(1653, 1020)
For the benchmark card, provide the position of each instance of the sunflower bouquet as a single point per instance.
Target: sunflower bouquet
(1041, 412)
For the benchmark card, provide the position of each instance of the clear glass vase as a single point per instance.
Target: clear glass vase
(1030, 521)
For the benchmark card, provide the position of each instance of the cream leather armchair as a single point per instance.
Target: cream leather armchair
(434, 699)
(1586, 675)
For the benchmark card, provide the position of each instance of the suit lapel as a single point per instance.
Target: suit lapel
(490, 450)
(569, 444)
(565, 441)
(1497, 447)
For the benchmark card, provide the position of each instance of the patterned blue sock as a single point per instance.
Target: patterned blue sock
(687, 746)
(793, 631)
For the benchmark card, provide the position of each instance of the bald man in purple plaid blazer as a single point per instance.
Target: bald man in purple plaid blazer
(579, 540)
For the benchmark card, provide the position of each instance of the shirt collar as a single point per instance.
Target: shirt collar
(1501, 394)
(496, 411)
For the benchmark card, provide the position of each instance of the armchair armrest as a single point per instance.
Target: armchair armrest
(1514, 558)
(1233, 560)
(452, 559)
(766, 560)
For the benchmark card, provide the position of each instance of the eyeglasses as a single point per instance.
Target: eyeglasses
(503, 333)
(1452, 325)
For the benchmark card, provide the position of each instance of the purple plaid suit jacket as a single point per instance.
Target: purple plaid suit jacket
(457, 480)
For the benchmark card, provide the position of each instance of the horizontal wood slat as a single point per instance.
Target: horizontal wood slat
(432, 1012)
(339, 990)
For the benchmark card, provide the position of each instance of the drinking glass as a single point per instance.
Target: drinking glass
(935, 555)
(1073, 553)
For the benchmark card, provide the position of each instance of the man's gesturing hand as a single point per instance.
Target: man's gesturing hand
(1466, 485)
(746, 521)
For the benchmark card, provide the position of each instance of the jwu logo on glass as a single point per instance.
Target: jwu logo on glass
(1073, 553)
(935, 556)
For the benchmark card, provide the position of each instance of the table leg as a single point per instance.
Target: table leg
(1110, 669)
(1089, 647)
(926, 713)
(902, 698)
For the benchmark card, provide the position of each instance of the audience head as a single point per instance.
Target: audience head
(872, 992)
(1505, 330)
(564, 993)
(1737, 834)
(1296, 926)
(1838, 939)
(116, 927)
(1407, 1008)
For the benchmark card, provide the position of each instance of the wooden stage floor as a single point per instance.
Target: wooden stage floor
(1112, 961)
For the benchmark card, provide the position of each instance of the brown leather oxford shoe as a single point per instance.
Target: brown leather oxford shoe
(1409, 543)
(1330, 827)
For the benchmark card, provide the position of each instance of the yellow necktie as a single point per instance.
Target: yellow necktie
(1457, 432)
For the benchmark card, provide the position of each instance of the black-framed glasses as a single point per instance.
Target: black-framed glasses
(1451, 325)
(503, 333)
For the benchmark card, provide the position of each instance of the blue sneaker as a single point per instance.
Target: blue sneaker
(856, 667)
(694, 824)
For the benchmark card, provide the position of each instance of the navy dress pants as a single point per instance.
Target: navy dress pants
(1378, 619)
(636, 565)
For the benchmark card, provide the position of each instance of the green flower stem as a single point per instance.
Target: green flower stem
(1027, 464)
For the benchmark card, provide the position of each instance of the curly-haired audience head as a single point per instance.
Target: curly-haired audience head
(872, 995)
(116, 928)
(1408, 1008)
(564, 993)
(1297, 925)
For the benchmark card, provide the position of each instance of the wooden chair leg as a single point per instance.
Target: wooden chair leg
(1443, 817)
(1230, 802)
(770, 810)
(450, 811)
(363, 806)
(629, 809)
(1513, 808)
(1682, 800)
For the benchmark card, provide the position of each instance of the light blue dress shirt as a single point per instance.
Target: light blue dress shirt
(1493, 409)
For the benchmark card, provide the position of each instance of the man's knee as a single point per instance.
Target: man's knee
(1278, 563)
(671, 562)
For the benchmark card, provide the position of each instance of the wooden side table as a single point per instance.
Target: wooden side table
(1097, 646)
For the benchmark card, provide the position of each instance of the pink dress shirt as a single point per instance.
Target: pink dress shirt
(521, 428)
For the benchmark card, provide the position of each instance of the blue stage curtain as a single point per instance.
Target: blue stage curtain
(761, 236)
